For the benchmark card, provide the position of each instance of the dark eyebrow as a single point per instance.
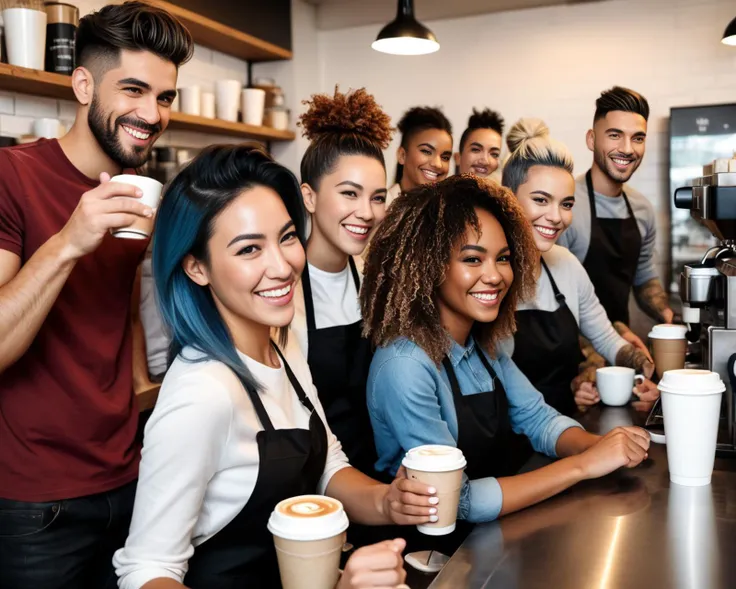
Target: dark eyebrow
(505, 250)
(248, 236)
(146, 86)
(349, 183)
(474, 248)
(542, 192)
(571, 197)
(476, 144)
(427, 145)
(380, 191)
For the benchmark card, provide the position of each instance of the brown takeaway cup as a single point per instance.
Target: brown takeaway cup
(669, 347)
(309, 534)
(440, 467)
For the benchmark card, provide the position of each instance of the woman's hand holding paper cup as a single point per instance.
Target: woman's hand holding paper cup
(410, 502)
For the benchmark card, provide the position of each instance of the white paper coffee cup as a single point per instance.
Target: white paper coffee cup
(190, 100)
(151, 189)
(253, 102)
(440, 467)
(227, 102)
(691, 404)
(308, 533)
(616, 384)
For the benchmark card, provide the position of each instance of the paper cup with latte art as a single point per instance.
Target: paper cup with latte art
(309, 533)
(440, 467)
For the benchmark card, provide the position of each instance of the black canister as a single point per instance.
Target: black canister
(61, 27)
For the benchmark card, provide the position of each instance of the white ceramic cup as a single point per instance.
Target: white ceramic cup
(616, 384)
(190, 99)
(691, 404)
(208, 105)
(48, 128)
(227, 94)
(254, 100)
(25, 37)
(152, 189)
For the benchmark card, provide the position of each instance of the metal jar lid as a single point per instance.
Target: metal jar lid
(59, 12)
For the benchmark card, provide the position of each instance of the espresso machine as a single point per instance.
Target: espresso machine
(708, 289)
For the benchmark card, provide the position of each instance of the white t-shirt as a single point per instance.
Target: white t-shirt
(199, 462)
(572, 280)
(335, 300)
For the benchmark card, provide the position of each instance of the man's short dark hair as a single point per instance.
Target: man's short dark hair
(133, 26)
(620, 98)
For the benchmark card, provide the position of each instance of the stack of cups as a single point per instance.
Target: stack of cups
(669, 347)
(309, 533)
(691, 404)
(440, 467)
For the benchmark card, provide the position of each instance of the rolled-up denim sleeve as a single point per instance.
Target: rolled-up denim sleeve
(481, 500)
(529, 413)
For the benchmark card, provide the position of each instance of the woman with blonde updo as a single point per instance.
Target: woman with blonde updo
(344, 190)
(546, 344)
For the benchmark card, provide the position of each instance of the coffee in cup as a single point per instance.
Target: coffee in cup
(142, 227)
(309, 533)
(669, 347)
(440, 467)
(616, 384)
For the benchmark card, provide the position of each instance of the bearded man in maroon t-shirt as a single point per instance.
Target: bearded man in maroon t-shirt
(68, 418)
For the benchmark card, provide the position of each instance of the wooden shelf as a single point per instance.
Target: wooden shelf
(26, 81)
(223, 38)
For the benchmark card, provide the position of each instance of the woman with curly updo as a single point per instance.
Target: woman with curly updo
(344, 190)
(425, 151)
(443, 277)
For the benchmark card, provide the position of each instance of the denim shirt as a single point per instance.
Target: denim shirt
(410, 404)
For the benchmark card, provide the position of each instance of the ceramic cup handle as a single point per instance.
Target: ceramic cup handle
(639, 379)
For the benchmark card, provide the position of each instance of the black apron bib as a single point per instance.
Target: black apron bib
(339, 358)
(547, 350)
(612, 258)
(291, 462)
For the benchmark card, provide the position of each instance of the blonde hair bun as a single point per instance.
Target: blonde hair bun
(524, 131)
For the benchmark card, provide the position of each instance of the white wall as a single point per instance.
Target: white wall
(18, 111)
(553, 63)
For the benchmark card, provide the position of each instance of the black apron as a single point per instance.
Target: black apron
(612, 258)
(339, 358)
(547, 350)
(291, 462)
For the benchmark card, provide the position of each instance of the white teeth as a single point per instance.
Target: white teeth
(136, 134)
(621, 162)
(431, 175)
(482, 296)
(276, 293)
(357, 230)
(546, 231)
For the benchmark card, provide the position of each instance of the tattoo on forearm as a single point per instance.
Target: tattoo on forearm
(592, 358)
(631, 357)
(652, 298)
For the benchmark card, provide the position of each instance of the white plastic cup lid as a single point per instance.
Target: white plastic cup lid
(304, 518)
(691, 382)
(434, 458)
(666, 331)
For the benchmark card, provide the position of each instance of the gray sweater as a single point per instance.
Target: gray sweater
(577, 237)
(573, 282)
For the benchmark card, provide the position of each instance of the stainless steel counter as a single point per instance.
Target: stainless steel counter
(629, 530)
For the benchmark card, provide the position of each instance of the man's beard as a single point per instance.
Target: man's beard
(606, 166)
(106, 133)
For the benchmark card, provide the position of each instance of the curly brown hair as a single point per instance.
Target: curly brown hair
(343, 124)
(410, 254)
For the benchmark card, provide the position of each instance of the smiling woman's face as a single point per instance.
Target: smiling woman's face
(426, 158)
(478, 277)
(255, 259)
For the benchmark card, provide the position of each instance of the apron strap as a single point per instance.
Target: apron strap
(628, 207)
(454, 385)
(558, 295)
(591, 195)
(354, 272)
(255, 399)
(308, 302)
(294, 381)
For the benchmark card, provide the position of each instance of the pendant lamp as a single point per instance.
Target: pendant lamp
(405, 35)
(729, 35)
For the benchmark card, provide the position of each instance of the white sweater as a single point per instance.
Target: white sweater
(572, 280)
(200, 459)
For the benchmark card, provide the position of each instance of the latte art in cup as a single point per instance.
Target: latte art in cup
(308, 507)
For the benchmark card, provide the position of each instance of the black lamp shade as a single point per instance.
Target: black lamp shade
(729, 35)
(405, 35)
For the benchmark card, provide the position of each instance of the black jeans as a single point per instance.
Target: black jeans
(65, 544)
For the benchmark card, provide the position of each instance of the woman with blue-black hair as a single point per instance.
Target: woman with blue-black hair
(238, 425)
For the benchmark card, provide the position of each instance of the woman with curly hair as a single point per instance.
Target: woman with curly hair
(238, 425)
(344, 190)
(443, 277)
(480, 144)
(425, 151)
(546, 345)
